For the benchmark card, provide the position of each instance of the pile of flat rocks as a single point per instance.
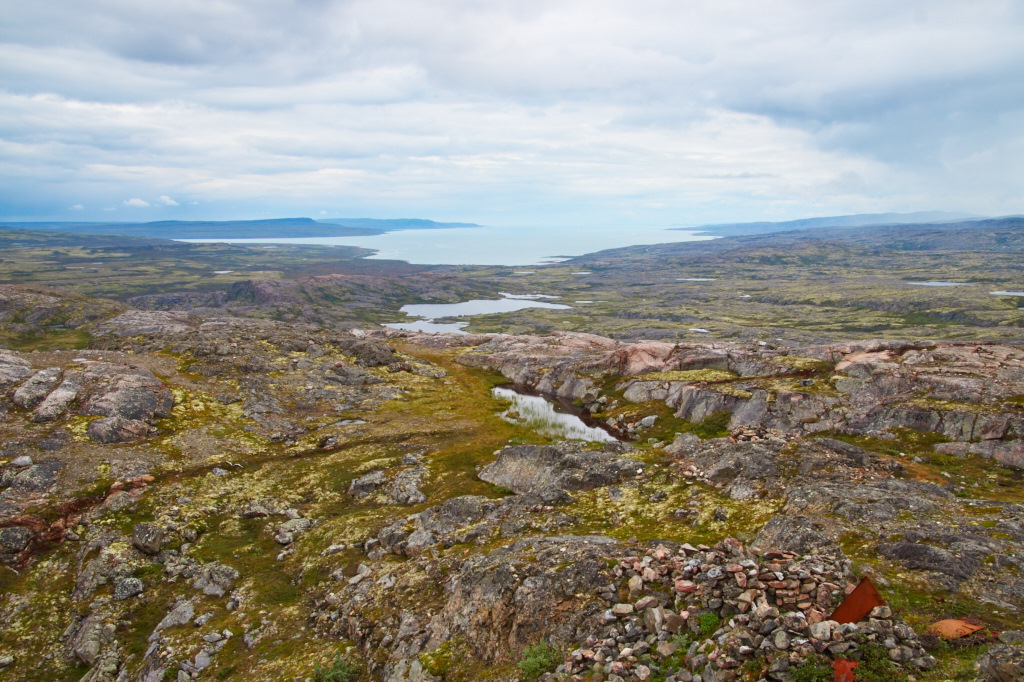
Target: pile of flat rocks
(699, 614)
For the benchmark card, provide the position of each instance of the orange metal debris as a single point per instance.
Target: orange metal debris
(954, 628)
(858, 604)
(844, 670)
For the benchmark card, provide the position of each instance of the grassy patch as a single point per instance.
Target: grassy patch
(690, 375)
(341, 670)
(538, 659)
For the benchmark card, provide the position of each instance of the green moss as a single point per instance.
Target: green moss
(803, 364)
(341, 670)
(538, 659)
(445, 657)
(816, 669)
(690, 375)
(877, 667)
(715, 425)
(709, 623)
(51, 339)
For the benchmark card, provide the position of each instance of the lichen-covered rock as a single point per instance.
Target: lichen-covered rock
(148, 537)
(118, 430)
(13, 540)
(86, 637)
(180, 614)
(566, 466)
(367, 484)
(39, 385)
(213, 579)
(126, 588)
(1001, 663)
(60, 399)
(405, 489)
(13, 370)
(126, 392)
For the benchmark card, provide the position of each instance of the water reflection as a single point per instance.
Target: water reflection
(538, 414)
(431, 311)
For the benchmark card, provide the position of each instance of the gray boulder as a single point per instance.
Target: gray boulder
(33, 391)
(126, 588)
(214, 578)
(60, 399)
(13, 369)
(405, 488)
(931, 558)
(13, 540)
(179, 615)
(148, 538)
(367, 484)
(118, 430)
(566, 466)
(1001, 663)
(127, 392)
(793, 534)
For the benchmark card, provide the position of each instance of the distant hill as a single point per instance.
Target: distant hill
(239, 229)
(395, 223)
(735, 229)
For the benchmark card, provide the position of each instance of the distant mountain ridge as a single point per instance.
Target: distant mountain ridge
(240, 229)
(856, 220)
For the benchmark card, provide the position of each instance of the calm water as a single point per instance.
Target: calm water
(433, 311)
(539, 415)
(940, 284)
(492, 245)
(1007, 293)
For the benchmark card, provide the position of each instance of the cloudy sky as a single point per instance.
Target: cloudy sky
(528, 112)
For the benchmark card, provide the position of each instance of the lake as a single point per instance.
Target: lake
(510, 246)
(432, 311)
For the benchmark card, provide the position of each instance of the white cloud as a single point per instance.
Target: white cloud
(516, 110)
(76, 207)
(136, 203)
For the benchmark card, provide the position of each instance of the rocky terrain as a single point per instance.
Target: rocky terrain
(194, 495)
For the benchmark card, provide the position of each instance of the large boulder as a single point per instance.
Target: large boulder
(13, 369)
(127, 392)
(566, 466)
(118, 430)
(148, 537)
(39, 385)
(60, 399)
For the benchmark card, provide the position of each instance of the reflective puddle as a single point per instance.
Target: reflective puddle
(539, 414)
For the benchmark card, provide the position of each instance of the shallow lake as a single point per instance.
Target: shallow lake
(1007, 293)
(939, 284)
(432, 311)
(539, 415)
(492, 245)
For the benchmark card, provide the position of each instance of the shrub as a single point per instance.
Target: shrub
(538, 659)
(877, 667)
(342, 670)
(817, 669)
(709, 622)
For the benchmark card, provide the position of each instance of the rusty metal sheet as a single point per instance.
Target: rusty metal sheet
(858, 604)
(844, 670)
(954, 628)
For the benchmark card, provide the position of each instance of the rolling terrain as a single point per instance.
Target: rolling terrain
(231, 475)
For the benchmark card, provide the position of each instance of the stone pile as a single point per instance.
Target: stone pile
(701, 613)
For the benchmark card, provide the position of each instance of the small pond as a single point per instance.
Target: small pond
(939, 284)
(1007, 293)
(433, 311)
(540, 415)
